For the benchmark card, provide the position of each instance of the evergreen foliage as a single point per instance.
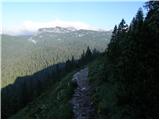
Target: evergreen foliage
(124, 79)
(131, 61)
(25, 89)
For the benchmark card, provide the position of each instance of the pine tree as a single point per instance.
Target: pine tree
(88, 52)
(132, 60)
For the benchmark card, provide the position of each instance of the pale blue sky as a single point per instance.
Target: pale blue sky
(98, 14)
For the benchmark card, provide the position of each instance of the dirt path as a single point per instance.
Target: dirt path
(81, 102)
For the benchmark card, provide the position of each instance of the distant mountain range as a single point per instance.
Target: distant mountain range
(26, 54)
(58, 29)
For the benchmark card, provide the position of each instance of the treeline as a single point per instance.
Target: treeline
(131, 60)
(25, 89)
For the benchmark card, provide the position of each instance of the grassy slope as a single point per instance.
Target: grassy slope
(54, 103)
(105, 94)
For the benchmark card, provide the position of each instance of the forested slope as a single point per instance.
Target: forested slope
(25, 55)
(125, 80)
(27, 88)
(54, 103)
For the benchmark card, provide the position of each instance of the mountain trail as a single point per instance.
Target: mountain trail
(81, 101)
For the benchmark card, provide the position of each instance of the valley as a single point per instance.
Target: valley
(24, 55)
(73, 70)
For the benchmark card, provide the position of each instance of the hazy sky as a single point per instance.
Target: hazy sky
(89, 15)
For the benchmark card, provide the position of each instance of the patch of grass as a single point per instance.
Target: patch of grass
(54, 103)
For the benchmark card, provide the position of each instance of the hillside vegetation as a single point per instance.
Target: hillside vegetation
(27, 88)
(51, 104)
(25, 55)
(125, 80)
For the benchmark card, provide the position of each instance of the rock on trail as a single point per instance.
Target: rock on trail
(81, 101)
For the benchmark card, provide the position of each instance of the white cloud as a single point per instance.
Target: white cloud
(33, 26)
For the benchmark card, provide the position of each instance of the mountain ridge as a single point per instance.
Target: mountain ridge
(56, 29)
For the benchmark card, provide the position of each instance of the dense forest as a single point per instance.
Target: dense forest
(124, 78)
(26, 54)
(129, 85)
(25, 89)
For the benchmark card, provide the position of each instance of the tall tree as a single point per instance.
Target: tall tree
(132, 60)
